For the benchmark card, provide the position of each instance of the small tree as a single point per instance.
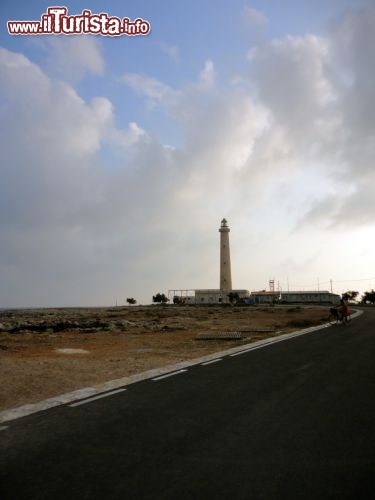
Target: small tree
(160, 298)
(131, 301)
(233, 297)
(369, 297)
(350, 295)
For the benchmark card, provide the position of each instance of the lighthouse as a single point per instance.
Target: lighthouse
(225, 269)
(223, 295)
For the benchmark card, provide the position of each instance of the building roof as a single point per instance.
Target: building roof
(304, 292)
(218, 290)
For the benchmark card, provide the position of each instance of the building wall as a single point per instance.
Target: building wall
(309, 297)
(264, 298)
(215, 296)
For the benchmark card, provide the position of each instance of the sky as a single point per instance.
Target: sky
(121, 155)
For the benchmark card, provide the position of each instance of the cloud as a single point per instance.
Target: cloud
(207, 75)
(353, 43)
(290, 75)
(129, 137)
(73, 57)
(55, 197)
(320, 97)
(254, 18)
(172, 51)
(352, 138)
(148, 86)
(344, 209)
(219, 132)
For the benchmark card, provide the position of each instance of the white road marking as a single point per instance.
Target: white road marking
(255, 348)
(168, 375)
(68, 350)
(96, 397)
(213, 361)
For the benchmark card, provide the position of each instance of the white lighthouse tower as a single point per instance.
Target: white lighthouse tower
(225, 268)
(225, 293)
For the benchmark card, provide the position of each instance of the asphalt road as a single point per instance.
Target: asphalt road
(292, 420)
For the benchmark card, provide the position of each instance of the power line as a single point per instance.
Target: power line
(345, 281)
(330, 282)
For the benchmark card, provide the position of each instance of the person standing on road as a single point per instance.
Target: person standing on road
(344, 311)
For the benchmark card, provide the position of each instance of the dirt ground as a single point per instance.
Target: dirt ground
(47, 352)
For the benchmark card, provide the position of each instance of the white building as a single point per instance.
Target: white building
(215, 296)
(304, 297)
(311, 297)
